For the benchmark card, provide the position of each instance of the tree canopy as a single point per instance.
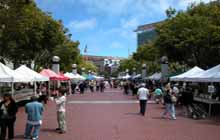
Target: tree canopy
(192, 36)
(188, 38)
(27, 34)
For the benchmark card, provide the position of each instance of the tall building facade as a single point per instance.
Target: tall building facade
(146, 33)
(104, 63)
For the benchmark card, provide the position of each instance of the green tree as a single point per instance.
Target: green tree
(150, 55)
(147, 52)
(192, 37)
(129, 64)
(68, 54)
(89, 66)
(31, 35)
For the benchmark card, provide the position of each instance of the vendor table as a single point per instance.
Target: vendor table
(210, 102)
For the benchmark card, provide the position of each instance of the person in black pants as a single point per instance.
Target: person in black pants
(143, 97)
(102, 86)
(9, 110)
(73, 87)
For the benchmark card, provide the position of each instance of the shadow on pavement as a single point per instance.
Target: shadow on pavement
(209, 122)
(158, 118)
(132, 113)
(48, 130)
(19, 137)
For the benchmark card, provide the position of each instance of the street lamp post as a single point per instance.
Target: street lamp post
(127, 71)
(83, 71)
(164, 68)
(134, 71)
(74, 68)
(56, 69)
(144, 71)
(56, 64)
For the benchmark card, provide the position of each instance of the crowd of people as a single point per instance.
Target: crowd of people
(34, 110)
(92, 85)
(167, 95)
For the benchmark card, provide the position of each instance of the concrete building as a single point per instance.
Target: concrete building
(104, 63)
(146, 33)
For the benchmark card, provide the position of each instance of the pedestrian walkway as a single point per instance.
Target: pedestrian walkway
(114, 116)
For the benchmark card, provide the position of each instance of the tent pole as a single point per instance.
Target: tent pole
(49, 87)
(70, 89)
(35, 88)
(12, 89)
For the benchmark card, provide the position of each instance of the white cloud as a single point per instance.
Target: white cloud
(107, 6)
(116, 45)
(88, 24)
(130, 23)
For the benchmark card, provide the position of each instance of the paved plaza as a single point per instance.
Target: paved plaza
(114, 116)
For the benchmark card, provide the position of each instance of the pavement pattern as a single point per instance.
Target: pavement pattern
(114, 116)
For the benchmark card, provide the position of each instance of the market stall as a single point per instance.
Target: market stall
(55, 78)
(74, 76)
(31, 75)
(207, 81)
(10, 76)
(126, 77)
(188, 74)
(137, 76)
(210, 75)
(155, 76)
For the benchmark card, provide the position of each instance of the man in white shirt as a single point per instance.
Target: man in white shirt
(143, 96)
(61, 110)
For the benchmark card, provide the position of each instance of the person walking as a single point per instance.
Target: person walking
(169, 102)
(8, 111)
(82, 87)
(102, 86)
(61, 110)
(143, 97)
(158, 95)
(126, 88)
(97, 86)
(73, 87)
(34, 111)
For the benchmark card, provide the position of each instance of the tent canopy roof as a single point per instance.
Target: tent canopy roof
(32, 75)
(52, 75)
(74, 76)
(190, 73)
(155, 76)
(210, 75)
(9, 75)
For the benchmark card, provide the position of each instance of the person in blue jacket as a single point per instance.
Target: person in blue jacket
(34, 111)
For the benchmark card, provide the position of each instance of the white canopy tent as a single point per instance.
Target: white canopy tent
(187, 75)
(74, 76)
(137, 76)
(5, 78)
(126, 76)
(30, 74)
(155, 76)
(11, 74)
(210, 75)
(99, 77)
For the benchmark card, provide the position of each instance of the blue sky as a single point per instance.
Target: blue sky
(106, 26)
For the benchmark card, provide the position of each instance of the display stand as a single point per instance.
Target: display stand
(210, 102)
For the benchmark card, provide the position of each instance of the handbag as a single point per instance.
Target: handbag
(173, 99)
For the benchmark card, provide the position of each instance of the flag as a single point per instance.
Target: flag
(85, 49)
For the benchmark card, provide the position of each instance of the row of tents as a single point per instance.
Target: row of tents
(195, 74)
(25, 74)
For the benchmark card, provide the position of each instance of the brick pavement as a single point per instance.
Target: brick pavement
(119, 122)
